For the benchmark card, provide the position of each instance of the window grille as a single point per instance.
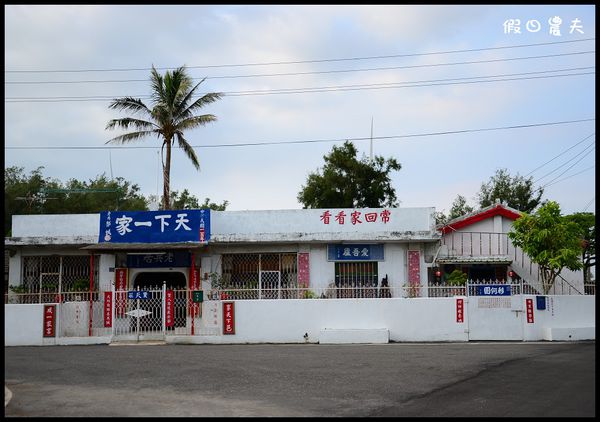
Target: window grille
(52, 273)
(264, 276)
(356, 279)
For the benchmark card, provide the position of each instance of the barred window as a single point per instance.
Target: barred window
(52, 273)
(264, 276)
(356, 279)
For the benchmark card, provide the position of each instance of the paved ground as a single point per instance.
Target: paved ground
(399, 379)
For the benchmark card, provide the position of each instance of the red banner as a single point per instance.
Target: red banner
(49, 320)
(194, 285)
(460, 310)
(169, 308)
(108, 309)
(121, 287)
(414, 267)
(303, 270)
(529, 307)
(228, 318)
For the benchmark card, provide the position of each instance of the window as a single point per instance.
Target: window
(54, 272)
(264, 276)
(356, 279)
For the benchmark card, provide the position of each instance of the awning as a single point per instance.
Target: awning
(480, 259)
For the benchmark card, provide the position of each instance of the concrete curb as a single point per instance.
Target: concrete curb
(7, 395)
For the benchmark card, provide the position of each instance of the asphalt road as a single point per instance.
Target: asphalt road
(398, 379)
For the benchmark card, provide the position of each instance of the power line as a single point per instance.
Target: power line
(569, 168)
(537, 168)
(590, 147)
(304, 61)
(312, 72)
(589, 203)
(309, 90)
(568, 177)
(310, 140)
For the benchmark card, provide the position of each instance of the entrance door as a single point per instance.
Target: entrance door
(495, 318)
(143, 318)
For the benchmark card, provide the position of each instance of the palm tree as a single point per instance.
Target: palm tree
(171, 114)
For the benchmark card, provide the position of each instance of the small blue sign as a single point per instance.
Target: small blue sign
(138, 294)
(169, 259)
(154, 226)
(493, 290)
(355, 252)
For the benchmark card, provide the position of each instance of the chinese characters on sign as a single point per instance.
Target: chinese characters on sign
(108, 309)
(228, 318)
(303, 272)
(169, 308)
(49, 320)
(529, 307)
(354, 252)
(493, 290)
(120, 287)
(355, 217)
(138, 294)
(414, 267)
(513, 26)
(460, 310)
(155, 226)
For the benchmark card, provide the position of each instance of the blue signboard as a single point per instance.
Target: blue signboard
(138, 294)
(493, 290)
(160, 260)
(355, 252)
(154, 226)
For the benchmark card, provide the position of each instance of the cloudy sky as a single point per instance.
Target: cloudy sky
(454, 93)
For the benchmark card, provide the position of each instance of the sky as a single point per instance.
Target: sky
(454, 93)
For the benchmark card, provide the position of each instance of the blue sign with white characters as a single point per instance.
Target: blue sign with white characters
(138, 294)
(493, 290)
(154, 226)
(355, 252)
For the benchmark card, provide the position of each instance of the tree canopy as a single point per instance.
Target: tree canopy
(458, 209)
(516, 191)
(550, 240)
(586, 222)
(347, 182)
(34, 193)
(171, 114)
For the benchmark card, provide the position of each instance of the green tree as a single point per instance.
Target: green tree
(171, 114)
(516, 191)
(550, 240)
(23, 193)
(37, 194)
(185, 200)
(459, 208)
(347, 182)
(586, 221)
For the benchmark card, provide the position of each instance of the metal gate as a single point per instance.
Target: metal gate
(270, 285)
(139, 314)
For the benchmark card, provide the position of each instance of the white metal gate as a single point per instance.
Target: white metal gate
(139, 314)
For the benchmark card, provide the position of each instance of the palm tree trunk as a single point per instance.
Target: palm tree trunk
(166, 178)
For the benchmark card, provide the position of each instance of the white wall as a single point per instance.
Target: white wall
(23, 325)
(55, 225)
(286, 321)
